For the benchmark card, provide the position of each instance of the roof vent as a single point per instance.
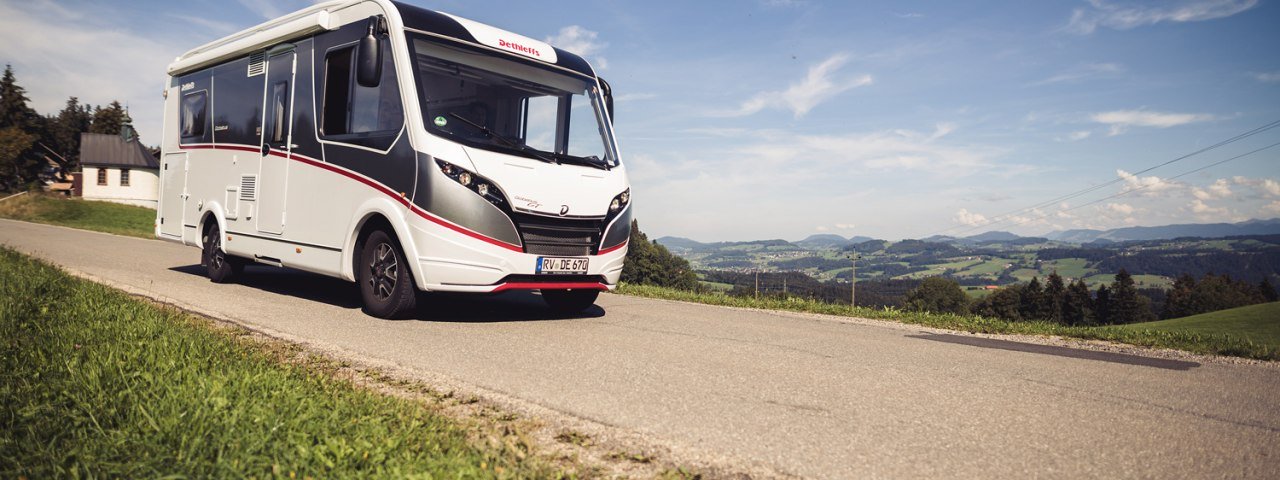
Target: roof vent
(257, 63)
(249, 187)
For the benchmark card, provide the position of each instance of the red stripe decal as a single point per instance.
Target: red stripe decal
(376, 186)
(614, 248)
(550, 286)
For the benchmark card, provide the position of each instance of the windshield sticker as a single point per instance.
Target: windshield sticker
(441, 121)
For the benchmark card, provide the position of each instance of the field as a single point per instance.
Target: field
(1254, 323)
(94, 383)
(77, 213)
(1210, 341)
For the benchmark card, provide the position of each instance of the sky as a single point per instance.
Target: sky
(762, 119)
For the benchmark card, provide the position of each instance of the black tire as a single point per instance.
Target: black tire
(384, 278)
(220, 267)
(570, 301)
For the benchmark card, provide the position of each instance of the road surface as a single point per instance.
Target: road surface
(805, 395)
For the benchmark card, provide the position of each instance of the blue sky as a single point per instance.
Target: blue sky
(785, 118)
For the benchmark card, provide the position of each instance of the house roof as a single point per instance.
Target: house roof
(101, 149)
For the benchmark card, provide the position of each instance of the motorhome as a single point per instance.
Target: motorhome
(399, 148)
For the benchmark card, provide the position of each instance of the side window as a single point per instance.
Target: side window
(540, 122)
(337, 91)
(102, 176)
(352, 109)
(193, 115)
(279, 110)
(124, 177)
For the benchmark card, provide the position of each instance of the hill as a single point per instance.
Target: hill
(1201, 230)
(823, 240)
(1257, 323)
(993, 236)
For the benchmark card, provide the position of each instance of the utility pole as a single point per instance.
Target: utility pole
(757, 284)
(853, 280)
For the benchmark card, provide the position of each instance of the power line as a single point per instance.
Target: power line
(1126, 192)
(998, 219)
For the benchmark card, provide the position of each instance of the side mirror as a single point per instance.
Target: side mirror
(369, 57)
(607, 92)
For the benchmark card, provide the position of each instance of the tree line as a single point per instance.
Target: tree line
(1075, 304)
(28, 138)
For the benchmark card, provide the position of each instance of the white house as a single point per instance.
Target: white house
(118, 169)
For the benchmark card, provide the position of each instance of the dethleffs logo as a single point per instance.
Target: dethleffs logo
(518, 47)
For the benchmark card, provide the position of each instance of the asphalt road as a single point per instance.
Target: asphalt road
(810, 396)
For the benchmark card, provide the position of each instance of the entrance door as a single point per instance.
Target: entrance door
(277, 135)
(173, 193)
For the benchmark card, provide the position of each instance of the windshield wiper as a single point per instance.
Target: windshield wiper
(591, 161)
(514, 144)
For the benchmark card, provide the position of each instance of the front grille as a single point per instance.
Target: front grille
(558, 236)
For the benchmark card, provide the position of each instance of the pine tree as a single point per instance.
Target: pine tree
(1127, 305)
(1031, 304)
(1102, 306)
(1003, 303)
(20, 163)
(110, 120)
(1178, 301)
(1055, 292)
(1077, 305)
(1267, 291)
(66, 128)
(14, 111)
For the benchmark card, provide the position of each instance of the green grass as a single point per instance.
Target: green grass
(1217, 343)
(94, 383)
(77, 213)
(1069, 267)
(1258, 323)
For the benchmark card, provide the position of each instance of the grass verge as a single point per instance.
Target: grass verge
(1216, 343)
(78, 213)
(1259, 323)
(94, 383)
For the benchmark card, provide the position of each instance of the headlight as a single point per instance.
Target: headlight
(480, 185)
(620, 200)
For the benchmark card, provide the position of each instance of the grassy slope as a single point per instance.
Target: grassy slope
(90, 215)
(1214, 343)
(1259, 323)
(95, 383)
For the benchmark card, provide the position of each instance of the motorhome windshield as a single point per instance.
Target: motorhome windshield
(489, 102)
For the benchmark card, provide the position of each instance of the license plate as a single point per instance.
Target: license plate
(556, 265)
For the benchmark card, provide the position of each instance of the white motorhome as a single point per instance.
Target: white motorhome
(399, 148)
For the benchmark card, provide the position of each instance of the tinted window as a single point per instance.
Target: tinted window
(350, 108)
(193, 114)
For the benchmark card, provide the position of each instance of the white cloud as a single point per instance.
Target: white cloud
(967, 218)
(1267, 77)
(1272, 208)
(845, 226)
(1125, 16)
(783, 3)
(1079, 135)
(1121, 208)
(267, 9)
(1082, 72)
(1121, 120)
(634, 97)
(91, 58)
(1203, 210)
(583, 42)
(1264, 186)
(1217, 190)
(818, 86)
(1147, 186)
